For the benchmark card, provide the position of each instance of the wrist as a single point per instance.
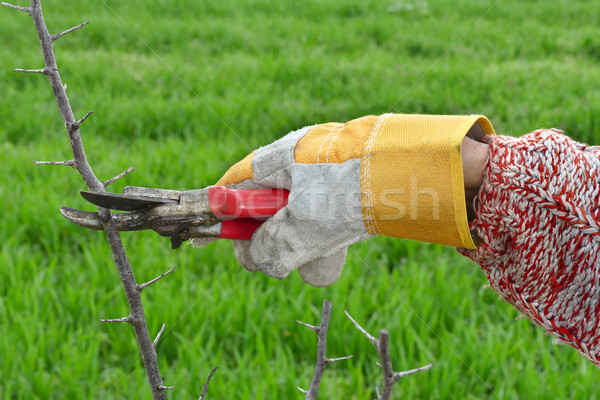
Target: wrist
(474, 159)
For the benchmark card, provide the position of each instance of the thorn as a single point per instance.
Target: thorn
(398, 375)
(124, 319)
(332, 360)
(302, 390)
(163, 387)
(58, 35)
(373, 340)
(144, 285)
(70, 163)
(43, 71)
(122, 174)
(85, 117)
(65, 87)
(26, 9)
(73, 126)
(155, 342)
(311, 327)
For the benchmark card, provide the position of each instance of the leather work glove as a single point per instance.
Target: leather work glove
(395, 174)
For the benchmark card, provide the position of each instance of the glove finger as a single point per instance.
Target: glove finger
(287, 241)
(324, 271)
(242, 253)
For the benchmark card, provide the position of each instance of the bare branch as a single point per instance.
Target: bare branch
(116, 178)
(144, 285)
(26, 9)
(58, 35)
(70, 163)
(205, 388)
(124, 319)
(43, 71)
(382, 346)
(322, 360)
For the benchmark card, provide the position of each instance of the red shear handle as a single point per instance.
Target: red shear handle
(239, 229)
(237, 203)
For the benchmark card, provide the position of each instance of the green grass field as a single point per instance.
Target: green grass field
(183, 89)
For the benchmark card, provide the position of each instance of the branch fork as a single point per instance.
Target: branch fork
(390, 377)
(322, 360)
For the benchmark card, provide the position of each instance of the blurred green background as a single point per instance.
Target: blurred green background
(183, 89)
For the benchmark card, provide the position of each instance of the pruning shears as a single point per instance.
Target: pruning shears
(216, 211)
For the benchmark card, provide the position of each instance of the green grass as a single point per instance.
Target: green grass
(181, 90)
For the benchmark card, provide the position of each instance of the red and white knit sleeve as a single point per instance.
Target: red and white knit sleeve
(538, 218)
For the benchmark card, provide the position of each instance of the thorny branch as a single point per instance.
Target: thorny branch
(136, 316)
(382, 346)
(322, 360)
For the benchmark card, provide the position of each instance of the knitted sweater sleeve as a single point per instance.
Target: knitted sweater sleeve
(538, 221)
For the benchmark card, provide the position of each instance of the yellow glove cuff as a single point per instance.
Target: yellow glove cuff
(412, 177)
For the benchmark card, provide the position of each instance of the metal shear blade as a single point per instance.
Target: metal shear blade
(123, 202)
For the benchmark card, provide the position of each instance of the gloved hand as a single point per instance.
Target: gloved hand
(394, 174)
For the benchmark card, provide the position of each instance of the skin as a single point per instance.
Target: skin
(474, 158)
